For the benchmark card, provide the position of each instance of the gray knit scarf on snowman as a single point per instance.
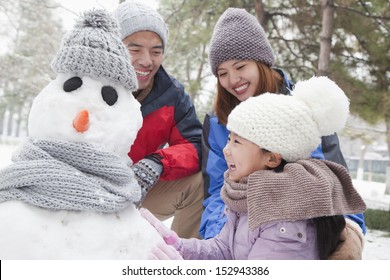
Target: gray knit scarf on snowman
(305, 189)
(63, 175)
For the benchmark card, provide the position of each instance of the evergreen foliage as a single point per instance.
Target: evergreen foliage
(377, 219)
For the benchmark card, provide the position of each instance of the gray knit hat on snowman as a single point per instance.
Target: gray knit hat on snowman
(292, 125)
(94, 48)
(238, 35)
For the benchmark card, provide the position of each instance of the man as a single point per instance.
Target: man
(169, 176)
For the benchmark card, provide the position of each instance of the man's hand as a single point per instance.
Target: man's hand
(147, 172)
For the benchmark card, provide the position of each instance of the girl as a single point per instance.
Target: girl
(280, 204)
(241, 58)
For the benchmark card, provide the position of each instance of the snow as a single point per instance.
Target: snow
(72, 235)
(377, 243)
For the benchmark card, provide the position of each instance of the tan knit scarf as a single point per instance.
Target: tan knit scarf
(305, 189)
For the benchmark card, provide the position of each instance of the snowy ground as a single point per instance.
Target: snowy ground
(377, 246)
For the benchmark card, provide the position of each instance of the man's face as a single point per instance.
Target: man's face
(146, 50)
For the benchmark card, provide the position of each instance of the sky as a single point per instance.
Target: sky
(69, 10)
(73, 7)
(377, 246)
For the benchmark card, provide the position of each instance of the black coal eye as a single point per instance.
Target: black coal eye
(72, 84)
(109, 95)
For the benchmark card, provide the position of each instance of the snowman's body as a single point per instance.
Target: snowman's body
(30, 232)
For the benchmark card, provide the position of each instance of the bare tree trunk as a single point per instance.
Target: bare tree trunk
(261, 14)
(326, 37)
(18, 121)
(360, 170)
(387, 121)
(10, 121)
(2, 113)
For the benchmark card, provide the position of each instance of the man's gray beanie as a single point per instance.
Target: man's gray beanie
(94, 48)
(239, 36)
(135, 16)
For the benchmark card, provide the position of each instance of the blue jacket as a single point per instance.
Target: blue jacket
(214, 139)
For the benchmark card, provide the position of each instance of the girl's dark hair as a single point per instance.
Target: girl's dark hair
(225, 102)
(280, 167)
(328, 234)
(328, 228)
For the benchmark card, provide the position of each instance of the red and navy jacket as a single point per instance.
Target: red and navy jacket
(169, 117)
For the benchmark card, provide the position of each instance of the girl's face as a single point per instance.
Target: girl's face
(239, 77)
(244, 157)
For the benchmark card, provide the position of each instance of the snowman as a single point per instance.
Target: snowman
(70, 191)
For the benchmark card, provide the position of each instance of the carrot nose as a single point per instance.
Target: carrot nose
(81, 121)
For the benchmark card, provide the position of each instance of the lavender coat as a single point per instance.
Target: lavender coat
(272, 241)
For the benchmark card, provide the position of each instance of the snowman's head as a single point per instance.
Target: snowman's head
(82, 109)
(91, 99)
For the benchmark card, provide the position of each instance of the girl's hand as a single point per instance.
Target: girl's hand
(164, 252)
(170, 237)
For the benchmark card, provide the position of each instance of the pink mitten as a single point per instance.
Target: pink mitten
(170, 237)
(164, 252)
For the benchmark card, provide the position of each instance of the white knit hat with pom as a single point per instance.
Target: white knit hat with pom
(292, 125)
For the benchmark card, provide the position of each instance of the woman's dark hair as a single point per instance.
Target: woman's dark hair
(328, 234)
(225, 102)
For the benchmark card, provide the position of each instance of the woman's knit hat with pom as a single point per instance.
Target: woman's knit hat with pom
(292, 125)
(94, 48)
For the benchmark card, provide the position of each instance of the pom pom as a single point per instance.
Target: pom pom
(327, 101)
(98, 18)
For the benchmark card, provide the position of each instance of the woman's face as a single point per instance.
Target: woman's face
(243, 157)
(239, 77)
